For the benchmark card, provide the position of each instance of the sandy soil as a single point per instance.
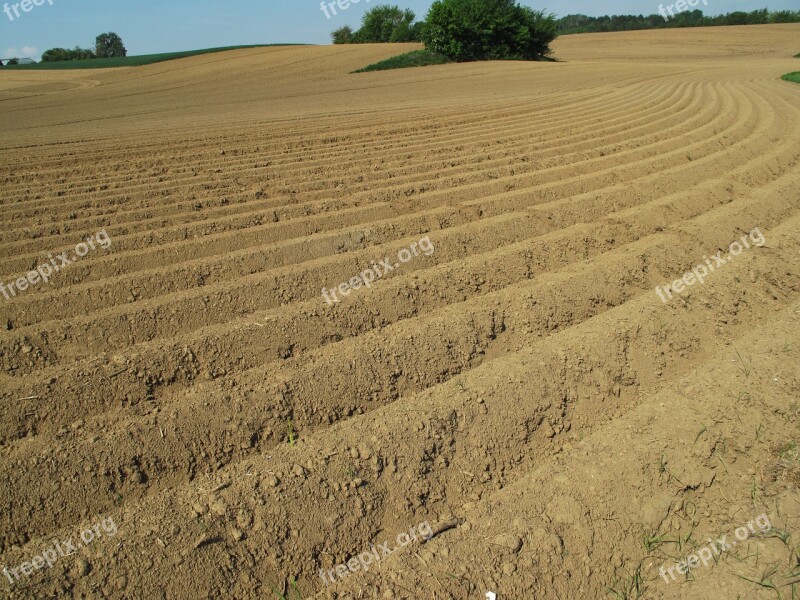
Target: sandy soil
(518, 392)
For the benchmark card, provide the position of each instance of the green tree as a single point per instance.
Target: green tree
(109, 45)
(54, 55)
(385, 23)
(62, 54)
(540, 30)
(785, 16)
(465, 30)
(13, 61)
(82, 53)
(343, 35)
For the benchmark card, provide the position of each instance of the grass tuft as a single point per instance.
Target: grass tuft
(417, 58)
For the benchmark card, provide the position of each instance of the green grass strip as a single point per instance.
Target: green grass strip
(793, 77)
(129, 61)
(417, 58)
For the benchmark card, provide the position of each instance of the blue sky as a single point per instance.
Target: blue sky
(151, 26)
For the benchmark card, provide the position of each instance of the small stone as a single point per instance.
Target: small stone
(244, 519)
(272, 481)
(508, 569)
(237, 535)
(27, 349)
(218, 508)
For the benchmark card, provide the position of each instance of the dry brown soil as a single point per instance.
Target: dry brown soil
(522, 389)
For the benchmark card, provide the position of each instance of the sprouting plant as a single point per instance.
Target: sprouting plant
(702, 431)
(789, 454)
(628, 588)
(292, 588)
(292, 435)
(781, 534)
(744, 367)
(765, 581)
(651, 542)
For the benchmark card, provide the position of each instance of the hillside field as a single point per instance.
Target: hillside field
(510, 328)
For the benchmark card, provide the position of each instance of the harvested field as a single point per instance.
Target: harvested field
(509, 377)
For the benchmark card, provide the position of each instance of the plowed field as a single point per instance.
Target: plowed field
(510, 377)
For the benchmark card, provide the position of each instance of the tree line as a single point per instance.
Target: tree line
(694, 18)
(462, 30)
(465, 29)
(107, 45)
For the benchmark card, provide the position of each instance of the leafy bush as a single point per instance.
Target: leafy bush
(13, 61)
(62, 54)
(784, 16)
(343, 35)
(381, 24)
(466, 30)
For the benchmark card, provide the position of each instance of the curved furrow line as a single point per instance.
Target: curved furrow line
(205, 275)
(566, 143)
(300, 131)
(497, 324)
(360, 151)
(189, 368)
(438, 198)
